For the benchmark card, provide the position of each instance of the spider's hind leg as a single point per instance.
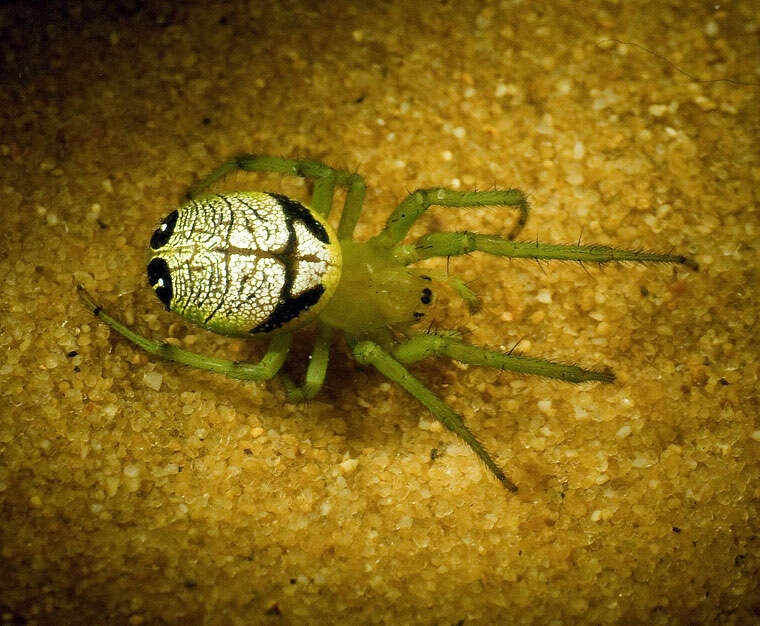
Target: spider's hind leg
(265, 369)
(325, 178)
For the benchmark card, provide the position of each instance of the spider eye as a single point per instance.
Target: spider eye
(163, 232)
(427, 296)
(160, 279)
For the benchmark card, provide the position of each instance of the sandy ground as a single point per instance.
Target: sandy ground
(133, 490)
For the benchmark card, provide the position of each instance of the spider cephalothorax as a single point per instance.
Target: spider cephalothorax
(253, 263)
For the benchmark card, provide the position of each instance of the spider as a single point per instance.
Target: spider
(251, 263)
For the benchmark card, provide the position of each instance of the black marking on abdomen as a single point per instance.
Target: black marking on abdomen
(158, 268)
(289, 308)
(294, 210)
(162, 234)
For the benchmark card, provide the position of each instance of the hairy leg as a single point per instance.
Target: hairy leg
(369, 353)
(265, 369)
(325, 178)
(428, 345)
(454, 244)
(417, 203)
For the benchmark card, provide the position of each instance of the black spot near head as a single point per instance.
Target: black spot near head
(427, 296)
(163, 232)
(294, 210)
(160, 279)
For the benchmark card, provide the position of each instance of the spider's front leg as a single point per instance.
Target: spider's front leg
(370, 353)
(455, 244)
(410, 210)
(427, 345)
(265, 369)
(325, 178)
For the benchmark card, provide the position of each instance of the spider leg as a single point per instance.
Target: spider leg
(369, 353)
(453, 244)
(423, 346)
(352, 207)
(316, 370)
(417, 203)
(325, 178)
(265, 369)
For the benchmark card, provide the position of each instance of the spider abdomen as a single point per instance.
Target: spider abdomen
(244, 263)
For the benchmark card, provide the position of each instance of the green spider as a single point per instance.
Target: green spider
(253, 263)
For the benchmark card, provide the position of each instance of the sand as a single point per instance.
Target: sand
(136, 491)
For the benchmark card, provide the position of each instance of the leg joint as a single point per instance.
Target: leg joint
(241, 160)
(366, 351)
(354, 180)
(309, 168)
(446, 244)
(426, 197)
(469, 241)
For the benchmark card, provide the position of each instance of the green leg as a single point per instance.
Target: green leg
(417, 203)
(352, 207)
(325, 178)
(453, 244)
(269, 365)
(423, 346)
(369, 353)
(315, 372)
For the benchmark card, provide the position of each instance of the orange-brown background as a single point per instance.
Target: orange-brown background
(136, 491)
